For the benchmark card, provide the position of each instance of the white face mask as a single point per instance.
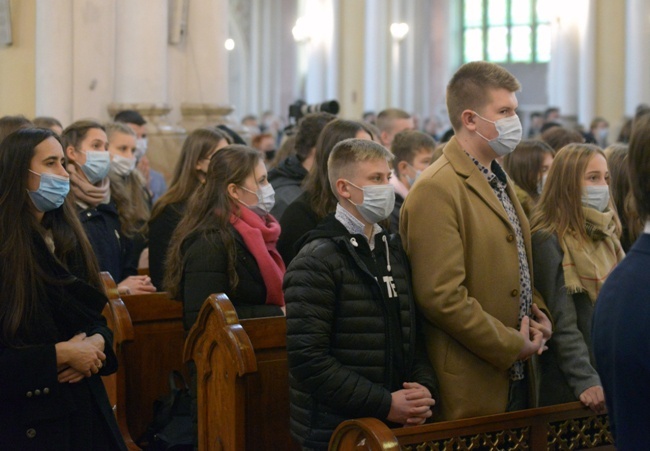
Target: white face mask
(541, 183)
(140, 148)
(378, 202)
(411, 180)
(265, 199)
(596, 196)
(122, 166)
(509, 129)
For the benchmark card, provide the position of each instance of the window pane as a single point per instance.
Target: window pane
(497, 48)
(543, 11)
(473, 44)
(473, 12)
(497, 10)
(543, 43)
(521, 45)
(520, 12)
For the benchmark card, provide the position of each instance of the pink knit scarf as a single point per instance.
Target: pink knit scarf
(260, 236)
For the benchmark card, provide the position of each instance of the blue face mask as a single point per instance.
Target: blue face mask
(97, 165)
(51, 192)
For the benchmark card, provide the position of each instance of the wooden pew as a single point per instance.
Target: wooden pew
(564, 426)
(156, 350)
(242, 379)
(119, 321)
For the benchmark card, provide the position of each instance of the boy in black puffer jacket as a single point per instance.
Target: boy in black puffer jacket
(351, 321)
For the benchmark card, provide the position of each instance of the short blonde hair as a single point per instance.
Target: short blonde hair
(348, 152)
(470, 85)
(118, 127)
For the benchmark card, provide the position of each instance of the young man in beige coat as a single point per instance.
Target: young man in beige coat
(468, 241)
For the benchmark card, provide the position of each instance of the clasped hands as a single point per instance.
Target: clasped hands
(535, 332)
(411, 406)
(80, 357)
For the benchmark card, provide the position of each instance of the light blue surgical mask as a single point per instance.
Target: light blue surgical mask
(509, 129)
(596, 196)
(97, 165)
(51, 193)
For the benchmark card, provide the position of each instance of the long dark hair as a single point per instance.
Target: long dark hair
(210, 209)
(22, 279)
(185, 181)
(317, 185)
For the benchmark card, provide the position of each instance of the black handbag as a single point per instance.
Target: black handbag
(172, 427)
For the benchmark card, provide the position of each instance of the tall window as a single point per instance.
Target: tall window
(506, 31)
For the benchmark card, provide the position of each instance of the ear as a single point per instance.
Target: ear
(468, 119)
(383, 136)
(342, 190)
(70, 153)
(232, 191)
(401, 167)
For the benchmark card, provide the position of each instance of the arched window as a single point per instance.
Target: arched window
(506, 31)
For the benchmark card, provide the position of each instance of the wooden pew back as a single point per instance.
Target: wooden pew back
(242, 379)
(564, 426)
(119, 321)
(156, 350)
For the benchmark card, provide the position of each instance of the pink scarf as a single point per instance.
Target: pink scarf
(260, 236)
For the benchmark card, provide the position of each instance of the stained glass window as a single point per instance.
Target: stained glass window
(506, 31)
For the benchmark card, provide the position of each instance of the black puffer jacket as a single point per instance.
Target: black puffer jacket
(351, 339)
(286, 180)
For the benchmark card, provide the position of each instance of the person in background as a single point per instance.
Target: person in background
(9, 124)
(265, 144)
(128, 189)
(189, 174)
(369, 117)
(535, 124)
(558, 137)
(317, 200)
(463, 229)
(226, 241)
(287, 149)
(54, 342)
(413, 152)
(88, 162)
(575, 247)
(620, 330)
(155, 181)
(288, 177)
(48, 122)
(528, 166)
(353, 346)
(622, 195)
(598, 132)
(390, 122)
(552, 114)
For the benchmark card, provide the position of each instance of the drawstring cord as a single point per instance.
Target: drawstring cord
(385, 240)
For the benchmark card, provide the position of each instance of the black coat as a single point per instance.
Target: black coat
(286, 180)
(298, 219)
(351, 340)
(36, 411)
(205, 271)
(112, 248)
(161, 229)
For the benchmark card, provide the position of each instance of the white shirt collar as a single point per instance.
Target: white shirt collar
(647, 227)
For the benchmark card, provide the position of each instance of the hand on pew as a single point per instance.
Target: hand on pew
(411, 406)
(594, 398)
(136, 285)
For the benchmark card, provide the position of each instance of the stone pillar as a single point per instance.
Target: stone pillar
(54, 59)
(206, 71)
(637, 61)
(351, 68)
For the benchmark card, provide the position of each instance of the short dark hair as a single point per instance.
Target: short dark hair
(129, 117)
(550, 110)
(558, 137)
(386, 117)
(407, 143)
(9, 124)
(309, 129)
(46, 122)
(639, 161)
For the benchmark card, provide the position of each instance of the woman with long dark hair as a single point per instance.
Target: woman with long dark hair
(54, 342)
(190, 173)
(225, 243)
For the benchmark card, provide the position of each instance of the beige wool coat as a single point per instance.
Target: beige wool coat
(465, 270)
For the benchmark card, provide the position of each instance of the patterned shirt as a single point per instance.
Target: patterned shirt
(498, 181)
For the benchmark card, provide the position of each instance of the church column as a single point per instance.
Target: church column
(54, 59)
(351, 67)
(206, 74)
(637, 62)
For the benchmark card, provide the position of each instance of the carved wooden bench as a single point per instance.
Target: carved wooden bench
(563, 427)
(242, 379)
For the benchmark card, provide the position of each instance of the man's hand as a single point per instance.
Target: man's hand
(533, 339)
(542, 324)
(410, 406)
(594, 398)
